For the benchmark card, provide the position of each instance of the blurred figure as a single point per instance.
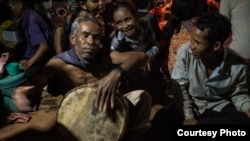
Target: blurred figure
(61, 41)
(183, 14)
(213, 5)
(162, 10)
(238, 12)
(37, 35)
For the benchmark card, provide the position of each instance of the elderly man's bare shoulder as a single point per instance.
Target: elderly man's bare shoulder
(59, 65)
(56, 62)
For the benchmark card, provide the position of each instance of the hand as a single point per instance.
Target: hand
(25, 64)
(18, 118)
(106, 91)
(20, 98)
(191, 121)
(248, 113)
(147, 66)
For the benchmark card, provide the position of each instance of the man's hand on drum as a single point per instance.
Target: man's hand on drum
(20, 98)
(106, 91)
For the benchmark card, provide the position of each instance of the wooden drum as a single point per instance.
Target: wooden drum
(78, 119)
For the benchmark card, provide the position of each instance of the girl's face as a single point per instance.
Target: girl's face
(94, 6)
(125, 21)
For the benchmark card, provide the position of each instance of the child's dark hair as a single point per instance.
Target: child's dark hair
(129, 5)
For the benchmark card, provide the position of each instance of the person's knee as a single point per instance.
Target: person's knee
(139, 97)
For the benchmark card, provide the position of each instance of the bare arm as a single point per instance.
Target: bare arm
(58, 36)
(130, 60)
(107, 86)
(23, 95)
(119, 57)
(42, 50)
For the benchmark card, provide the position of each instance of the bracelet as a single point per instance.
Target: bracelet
(121, 70)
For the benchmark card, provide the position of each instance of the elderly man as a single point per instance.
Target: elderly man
(86, 63)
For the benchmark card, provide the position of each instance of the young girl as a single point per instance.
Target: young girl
(134, 39)
(134, 36)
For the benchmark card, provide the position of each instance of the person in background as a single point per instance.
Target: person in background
(210, 82)
(61, 41)
(161, 9)
(238, 13)
(43, 7)
(73, 5)
(213, 5)
(176, 31)
(3, 9)
(142, 7)
(87, 64)
(37, 36)
(144, 11)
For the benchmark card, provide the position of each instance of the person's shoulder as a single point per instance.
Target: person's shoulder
(34, 18)
(184, 51)
(55, 62)
(234, 55)
(32, 14)
(185, 47)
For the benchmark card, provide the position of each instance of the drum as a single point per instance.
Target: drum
(78, 119)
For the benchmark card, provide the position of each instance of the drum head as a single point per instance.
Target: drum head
(78, 119)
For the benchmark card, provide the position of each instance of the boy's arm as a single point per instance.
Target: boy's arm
(179, 85)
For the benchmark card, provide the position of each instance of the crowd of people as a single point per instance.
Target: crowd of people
(133, 55)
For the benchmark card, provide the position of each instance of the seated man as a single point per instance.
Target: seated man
(37, 36)
(86, 63)
(210, 82)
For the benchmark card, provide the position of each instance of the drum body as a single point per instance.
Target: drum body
(79, 120)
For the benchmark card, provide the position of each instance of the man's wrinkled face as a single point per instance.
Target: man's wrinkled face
(87, 41)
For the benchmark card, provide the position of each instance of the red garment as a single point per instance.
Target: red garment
(160, 12)
(175, 43)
